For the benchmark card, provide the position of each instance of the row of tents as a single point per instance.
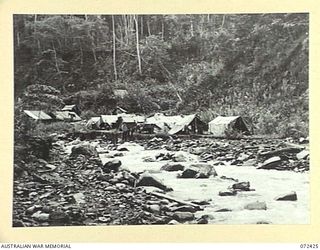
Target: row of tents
(157, 123)
(69, 113)
(177, 124)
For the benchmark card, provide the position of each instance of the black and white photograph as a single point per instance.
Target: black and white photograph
(145, 119)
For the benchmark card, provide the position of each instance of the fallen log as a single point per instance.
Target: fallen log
(176, 200)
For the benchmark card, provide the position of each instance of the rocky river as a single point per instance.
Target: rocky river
(165, 181)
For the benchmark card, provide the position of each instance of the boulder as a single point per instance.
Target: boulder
(173, 222)
(287, 197)
(250, 162)
(203, 219)
(228, 193)
(111, 165)
(302, 155)
(257, 205)
(184, 209)
(198, 171)
(271, 163)
(59, 218)
(179, 158)
(241, 186)
(123, 149)
(154, 208)
(149, 180)
(39, 216)
(183, 216)
(86, 150)
(223, 210)
(198, 151)
(172, 167)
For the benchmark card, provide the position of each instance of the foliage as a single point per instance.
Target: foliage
(254, 65)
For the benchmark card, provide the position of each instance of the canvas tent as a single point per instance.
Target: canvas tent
(188, 124)
(66, 116)
(94, 122)
(108, 121)
(222, 125)
(72, 108)
(38, 115)
(176, 124)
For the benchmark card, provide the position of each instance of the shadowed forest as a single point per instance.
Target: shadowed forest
(252, 65)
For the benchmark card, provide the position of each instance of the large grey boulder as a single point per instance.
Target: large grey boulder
(287, 197)
(147, 179)
(172, 167)
(271, 163)
(198, 171)
(113, 165)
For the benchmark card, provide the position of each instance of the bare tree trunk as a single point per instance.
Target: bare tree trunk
(148, 27)
(191, 28)
(18, 39)
(81, 52)
(162, 30)
(141, 29)
(114, 49)
(223, 19)
(137, 43)
(57, 65)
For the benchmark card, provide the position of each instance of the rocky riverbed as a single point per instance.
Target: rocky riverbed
(164, 181)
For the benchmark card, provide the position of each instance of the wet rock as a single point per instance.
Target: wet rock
(229, 178)
(258, 205)
(184, 209)
(287, 197)
(223, 210)
(153, 208)
(202, 202)
(179, 158)
(148, 159)
(183, 216)
(86, 150)
(122, 149)
(104, 219)
(173, 222)
(303, 154)
(59, 218)
(172, 167)
(199, 150)
(198, 171)
(241, 186)
(251, 162)
(39, 216)
(263, 222)
(79, 198)
(271, 163)
(204, 219)
(113, 165)
(149, 180)
(228, 193)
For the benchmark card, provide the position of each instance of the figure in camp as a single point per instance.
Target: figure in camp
(125, 132)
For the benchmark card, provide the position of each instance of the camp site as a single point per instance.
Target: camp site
(161, 119)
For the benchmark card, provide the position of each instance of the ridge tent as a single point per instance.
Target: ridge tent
(222, 125)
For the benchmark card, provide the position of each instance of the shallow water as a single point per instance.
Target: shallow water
(268, 184)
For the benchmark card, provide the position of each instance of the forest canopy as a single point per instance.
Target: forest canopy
(255, 65)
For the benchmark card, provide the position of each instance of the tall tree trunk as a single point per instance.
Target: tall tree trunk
(162, 30)
(81, 52)
(191, 28)
(137, 43)
(148, 27)
(223, 19)
(141, 29)
(114, 49)
(57, 65)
